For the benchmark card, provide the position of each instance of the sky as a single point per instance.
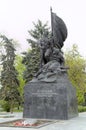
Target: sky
(17, 17)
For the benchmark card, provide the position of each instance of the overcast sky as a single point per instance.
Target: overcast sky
(16, 17)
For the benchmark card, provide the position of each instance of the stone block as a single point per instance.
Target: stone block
(50, 100)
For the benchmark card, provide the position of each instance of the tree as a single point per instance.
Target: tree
(31, 59)
(20, 68)
(9, 80)
(37, 33)
(76, 71)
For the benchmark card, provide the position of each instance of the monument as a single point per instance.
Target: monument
(50, 94)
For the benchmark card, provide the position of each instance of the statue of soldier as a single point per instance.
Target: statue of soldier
(45, 49)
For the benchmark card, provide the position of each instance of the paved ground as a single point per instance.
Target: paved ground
(78, 123)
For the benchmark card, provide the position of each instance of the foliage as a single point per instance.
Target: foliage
(81, 108)
(20, 68)
(39, 30)
(9, 91)
(5, 105)
(76, 72)
(31, 59)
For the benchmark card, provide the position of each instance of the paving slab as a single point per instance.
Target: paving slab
(77, 123)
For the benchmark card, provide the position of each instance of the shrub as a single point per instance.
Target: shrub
(81, 108)
(5, 105)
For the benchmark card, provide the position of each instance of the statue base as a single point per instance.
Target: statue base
(50, 100)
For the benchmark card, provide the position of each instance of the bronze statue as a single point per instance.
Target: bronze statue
(52, 60)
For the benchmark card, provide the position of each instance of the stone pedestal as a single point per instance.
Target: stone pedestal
(50, 100)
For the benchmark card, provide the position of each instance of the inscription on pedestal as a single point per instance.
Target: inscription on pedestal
(44, 98)
(44, 93)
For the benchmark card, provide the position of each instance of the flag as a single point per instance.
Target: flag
(59, 30)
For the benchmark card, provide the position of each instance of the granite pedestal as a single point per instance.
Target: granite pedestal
(50, 100)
